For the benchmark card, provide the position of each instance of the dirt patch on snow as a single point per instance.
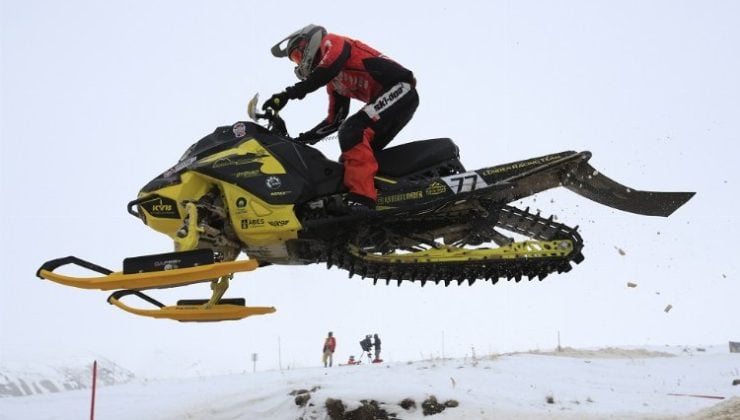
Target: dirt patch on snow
(726, 410)
(605, 353)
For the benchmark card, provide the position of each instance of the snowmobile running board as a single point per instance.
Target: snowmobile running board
(165, 271)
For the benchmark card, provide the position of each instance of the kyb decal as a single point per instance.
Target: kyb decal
(162, 207)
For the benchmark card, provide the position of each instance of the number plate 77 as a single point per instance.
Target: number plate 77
(460, 183)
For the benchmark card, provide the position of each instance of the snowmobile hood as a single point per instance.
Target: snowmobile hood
(222, 138)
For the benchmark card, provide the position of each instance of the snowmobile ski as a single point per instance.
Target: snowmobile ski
(191, 310)
(164, 278)
(165, 271)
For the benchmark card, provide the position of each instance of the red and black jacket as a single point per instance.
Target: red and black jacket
(349, 69)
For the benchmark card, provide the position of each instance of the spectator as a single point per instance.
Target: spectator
(376, 344)
(367, 345)
(329, 345)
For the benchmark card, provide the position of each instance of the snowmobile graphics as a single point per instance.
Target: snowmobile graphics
(250, 188)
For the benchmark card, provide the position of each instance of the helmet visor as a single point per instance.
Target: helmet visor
(296, 55)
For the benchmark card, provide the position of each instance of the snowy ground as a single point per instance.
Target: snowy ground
(607, 383)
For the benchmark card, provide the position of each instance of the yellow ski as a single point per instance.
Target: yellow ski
(145, 280)
(164, 271)
(191, 311)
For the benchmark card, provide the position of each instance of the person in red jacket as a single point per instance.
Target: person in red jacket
(328, 352)
(350, 69)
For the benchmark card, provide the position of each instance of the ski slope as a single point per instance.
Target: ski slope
(675, 382)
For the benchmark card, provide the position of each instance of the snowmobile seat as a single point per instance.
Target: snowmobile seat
(417, 156)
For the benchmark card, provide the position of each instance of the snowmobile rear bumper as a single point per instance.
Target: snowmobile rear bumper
(587, 182)
(573, 172)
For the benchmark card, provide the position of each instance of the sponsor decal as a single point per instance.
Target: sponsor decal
(241, 202)
(168, 264)
(239, 129)
(469, 181)
(162, 207)
(278, 223)
(280, 193)
(346, 83)
(248, 174)
(436, 188)
(395, 198)
(519, 165)
(238, 160)
(395, 93)
(273, 182)
(251, 223)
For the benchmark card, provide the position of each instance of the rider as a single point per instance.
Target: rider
(350, 69)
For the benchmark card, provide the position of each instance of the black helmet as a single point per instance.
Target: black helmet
(302, 48)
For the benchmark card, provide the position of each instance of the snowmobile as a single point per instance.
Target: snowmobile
(249, 187)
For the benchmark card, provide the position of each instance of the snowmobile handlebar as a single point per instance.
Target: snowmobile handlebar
(275, 123)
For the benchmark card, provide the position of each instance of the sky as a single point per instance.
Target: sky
(100, 97)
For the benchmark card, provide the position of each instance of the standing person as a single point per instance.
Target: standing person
(330, 343)
(350, 69)
(376, 344)
(367, 344)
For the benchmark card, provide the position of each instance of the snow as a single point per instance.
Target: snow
(634, 383)
(19, 378)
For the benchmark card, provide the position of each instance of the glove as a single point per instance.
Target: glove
(307, 138)
(276, 102)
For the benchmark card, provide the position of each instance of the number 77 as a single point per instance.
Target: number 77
(462, 186)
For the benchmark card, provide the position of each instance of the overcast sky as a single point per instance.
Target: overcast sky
(100, 97)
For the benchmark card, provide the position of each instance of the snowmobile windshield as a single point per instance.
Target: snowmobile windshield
(209, 144)
(221, 139)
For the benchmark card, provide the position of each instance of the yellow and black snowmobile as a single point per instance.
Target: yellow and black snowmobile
(251, 188)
